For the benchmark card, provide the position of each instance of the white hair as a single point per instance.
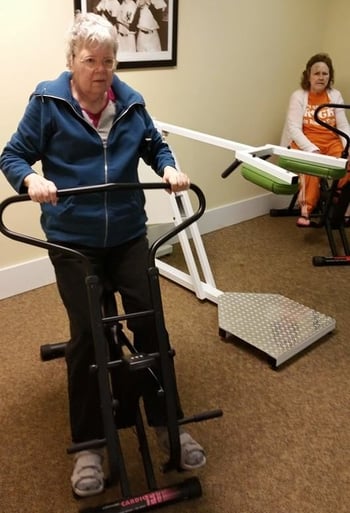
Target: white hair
(89, 29)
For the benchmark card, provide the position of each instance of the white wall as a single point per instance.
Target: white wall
(32, 42)
(336, 41)
(238, 62)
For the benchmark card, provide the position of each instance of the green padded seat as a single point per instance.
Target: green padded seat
(267, 181)
(310, 168)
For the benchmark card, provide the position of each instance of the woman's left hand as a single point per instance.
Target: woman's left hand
(176, 179)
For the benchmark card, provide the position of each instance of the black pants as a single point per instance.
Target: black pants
(124, 268)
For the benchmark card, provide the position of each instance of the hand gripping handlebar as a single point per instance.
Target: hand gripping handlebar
(27, 239)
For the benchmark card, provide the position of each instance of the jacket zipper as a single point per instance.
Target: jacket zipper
(104, 145)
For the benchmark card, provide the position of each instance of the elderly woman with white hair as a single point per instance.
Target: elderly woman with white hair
(87, 127)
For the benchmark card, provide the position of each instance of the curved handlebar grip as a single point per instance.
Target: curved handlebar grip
(334, 128)
(99, 188)
(231, 168)
(182, 226)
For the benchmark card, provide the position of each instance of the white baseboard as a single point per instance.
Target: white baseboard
(25, 276)
(37, 273)
(240, 211)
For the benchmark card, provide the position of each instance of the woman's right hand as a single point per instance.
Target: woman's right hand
(40, 189)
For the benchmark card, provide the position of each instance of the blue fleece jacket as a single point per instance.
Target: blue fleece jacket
(72, 154)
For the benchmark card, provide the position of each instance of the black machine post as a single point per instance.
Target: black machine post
(337, 202)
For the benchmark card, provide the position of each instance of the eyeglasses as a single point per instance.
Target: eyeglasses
(92, 63)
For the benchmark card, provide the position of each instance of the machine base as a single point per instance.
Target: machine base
(272, 323)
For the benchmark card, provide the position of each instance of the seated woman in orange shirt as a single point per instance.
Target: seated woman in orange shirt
(304, 133)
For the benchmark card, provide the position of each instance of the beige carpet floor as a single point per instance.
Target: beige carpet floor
(283, 444)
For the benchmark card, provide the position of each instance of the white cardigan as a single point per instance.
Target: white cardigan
(293, 127)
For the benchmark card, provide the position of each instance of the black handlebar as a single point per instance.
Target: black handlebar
(231, 168)
(334, 128)
(27, 239)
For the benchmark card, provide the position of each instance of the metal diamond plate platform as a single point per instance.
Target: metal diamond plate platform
(278, 326)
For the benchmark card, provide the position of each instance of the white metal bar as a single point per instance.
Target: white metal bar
(185, 280)
(268, 167)
(196, 237)
(184, 199)
(200, 136)
(313, 158)
(197, 241)
(192, 280)
(187, 252)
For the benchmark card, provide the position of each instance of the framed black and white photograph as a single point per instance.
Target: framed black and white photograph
(147, 29)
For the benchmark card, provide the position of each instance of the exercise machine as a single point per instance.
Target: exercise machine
(115, 355)
(275, 325)
(332, 215)
(331, 210)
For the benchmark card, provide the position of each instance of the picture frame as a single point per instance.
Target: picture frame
(147, 30)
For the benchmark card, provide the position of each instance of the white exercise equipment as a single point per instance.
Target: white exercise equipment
(272, 323)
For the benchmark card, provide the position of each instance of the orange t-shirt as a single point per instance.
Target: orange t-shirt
(327, 141)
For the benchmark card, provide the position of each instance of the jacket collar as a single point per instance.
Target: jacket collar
(60, 88)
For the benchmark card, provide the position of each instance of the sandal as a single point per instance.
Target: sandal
(87, 478)
(304, 222)
(192, 453)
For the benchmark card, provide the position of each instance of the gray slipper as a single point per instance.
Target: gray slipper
(88, 478)
(192, 453)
